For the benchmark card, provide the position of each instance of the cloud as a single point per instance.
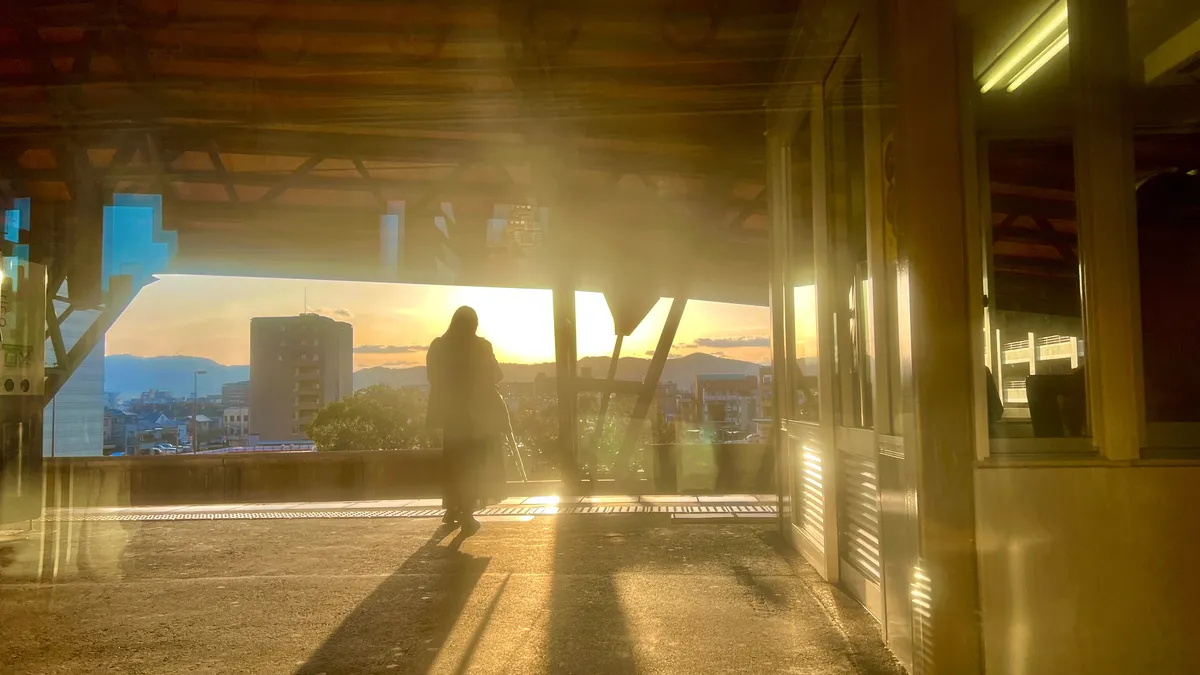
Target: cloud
(732, 343)
(338, 312)
(389, 349)
(672, 355)
(404, 364)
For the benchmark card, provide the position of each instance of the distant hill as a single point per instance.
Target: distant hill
(682, 371)
(131, 375)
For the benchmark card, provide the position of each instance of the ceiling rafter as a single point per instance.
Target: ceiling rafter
(500, 149)
(214, 155)
(290, 180)
(505, 191)
(366, 175)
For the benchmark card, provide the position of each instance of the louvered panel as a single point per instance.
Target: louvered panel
(858, 497)
(812, 495)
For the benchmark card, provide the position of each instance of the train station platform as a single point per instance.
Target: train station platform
(682, 507)
(573, 591)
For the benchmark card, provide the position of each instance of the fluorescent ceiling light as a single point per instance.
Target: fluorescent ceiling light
(1041, 60)
(1052, 23)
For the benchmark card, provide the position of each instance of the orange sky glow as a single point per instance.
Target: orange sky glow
(209, 316)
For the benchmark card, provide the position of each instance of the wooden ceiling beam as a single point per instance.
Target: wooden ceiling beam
(740, 70)
(420, 194)
(1031, 206)
(637, 158)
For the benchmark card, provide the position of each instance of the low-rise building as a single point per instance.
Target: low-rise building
(727, 402)
(237, 423)
(235, 394)
(120, 431)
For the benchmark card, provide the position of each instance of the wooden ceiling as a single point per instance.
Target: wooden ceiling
(1035, 233)
(265, 123)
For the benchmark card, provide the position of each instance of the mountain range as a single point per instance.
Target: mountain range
(129, 375)
(682, 370)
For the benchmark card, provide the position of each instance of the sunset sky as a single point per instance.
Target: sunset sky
(394, 323)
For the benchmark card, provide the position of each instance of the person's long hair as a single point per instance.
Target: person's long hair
(463, 324)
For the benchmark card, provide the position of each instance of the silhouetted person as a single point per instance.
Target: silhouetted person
(463, 373)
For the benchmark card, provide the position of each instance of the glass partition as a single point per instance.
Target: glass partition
(805, 404)
(854, 355)
(1035, 349)
(1168, 226)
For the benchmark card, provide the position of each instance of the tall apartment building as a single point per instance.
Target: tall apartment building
(298, 364)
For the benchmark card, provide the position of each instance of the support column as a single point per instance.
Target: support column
(468, 237)
(565, 358)
(931, 225)
(779, 198)
(826, 335)
(1104, 198)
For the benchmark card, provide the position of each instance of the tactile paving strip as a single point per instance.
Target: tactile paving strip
(732, 509)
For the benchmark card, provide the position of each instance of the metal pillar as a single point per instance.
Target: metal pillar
(939, 371)
(650, 384)
(565, 358)
(779, 186)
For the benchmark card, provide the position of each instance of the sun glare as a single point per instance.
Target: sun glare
(210, 317)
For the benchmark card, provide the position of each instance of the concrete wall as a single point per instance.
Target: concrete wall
(244, 478)
(351, 476)
(1090, 569)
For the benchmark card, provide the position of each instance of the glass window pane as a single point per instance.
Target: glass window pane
(854, 351)
(713, 389)
(804, 404)
(1036, 348)
(1168, 222)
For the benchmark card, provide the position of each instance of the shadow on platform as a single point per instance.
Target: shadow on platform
(382, 628)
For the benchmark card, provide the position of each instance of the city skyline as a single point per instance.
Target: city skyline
(209, 317)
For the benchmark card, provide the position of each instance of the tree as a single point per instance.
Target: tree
(376, 418)
(663, 431)
(535, 424)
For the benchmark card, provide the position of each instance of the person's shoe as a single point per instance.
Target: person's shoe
(470, 527)
(449, 519)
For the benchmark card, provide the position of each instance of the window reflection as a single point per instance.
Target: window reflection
(1035, 356)
(854, 354)
(807, 360)
(804, 353)
(1168, 222)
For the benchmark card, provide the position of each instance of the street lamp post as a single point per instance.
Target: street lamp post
(195, 397)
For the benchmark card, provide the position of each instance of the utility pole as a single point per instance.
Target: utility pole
(195, 422)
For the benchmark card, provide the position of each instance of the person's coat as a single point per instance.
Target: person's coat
(463, 398)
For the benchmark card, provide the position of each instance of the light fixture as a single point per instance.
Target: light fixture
(1041, 60)
(1045, 38)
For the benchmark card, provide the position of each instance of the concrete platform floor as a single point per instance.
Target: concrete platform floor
(604, 594)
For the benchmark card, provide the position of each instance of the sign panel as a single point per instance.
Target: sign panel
(22, 327)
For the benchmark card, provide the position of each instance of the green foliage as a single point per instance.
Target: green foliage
(535, 425)
(663, 431)
(376, 418)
